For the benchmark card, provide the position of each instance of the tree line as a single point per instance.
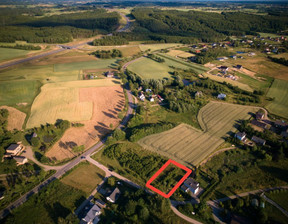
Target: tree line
(109, 40)
(107, 54)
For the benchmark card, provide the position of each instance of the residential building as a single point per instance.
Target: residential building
(224, 68)
(109, 74)
(221, 96)
(191, 184)
(239, 67)
(20, 160)
(259, 115)
(240, 135)
(151, 99)
(281, 124)
(114, 195)
(141, 96)
(258, 140)
(260, 124)
(92, 216)
(34, 135)
(14, 149)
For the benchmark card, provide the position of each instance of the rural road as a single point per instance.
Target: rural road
(276, 205)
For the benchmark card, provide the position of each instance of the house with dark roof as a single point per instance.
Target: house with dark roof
(190, 184)
(259, 115)
(240, 135)
(114, 195)
(258, 140)
(109, 74)
(260, 124)
(239, 67)
(100, 203)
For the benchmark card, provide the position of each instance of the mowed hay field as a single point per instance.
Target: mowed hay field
(183, 144)
(84, 177)
(107, 102)
(279, 91)
(150, 69)
(16, 118)
(191, 146)
(219, 119)
(180, 53)
(155, 47)
(61, 101)
(9, 53)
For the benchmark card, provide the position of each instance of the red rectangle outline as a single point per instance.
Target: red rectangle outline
(148, 184)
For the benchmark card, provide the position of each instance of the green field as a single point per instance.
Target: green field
(99, 64)
(172, 61)
(18, 93)
(84, 177)
(150, 69)
(278, 91)
(191, 146)
(9, 53)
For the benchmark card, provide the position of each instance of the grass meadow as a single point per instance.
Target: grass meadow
(9, 53)
(280, 197)
(150, 69)
(156, 47)
(84, 177)
(279, 92)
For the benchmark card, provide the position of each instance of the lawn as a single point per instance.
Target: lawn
(189, 145)
(55, 203)
(9, 53)
(84, 177)
(150, 69)
(279, 92)
(155, 47)
(280, 198)
(183, 144)
(99, 64)
(61, 101)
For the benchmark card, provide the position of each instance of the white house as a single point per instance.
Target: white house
(20, 160)
(190, 184)
(240, 135)
(221, 96)
(142, 97)
(14, 149)
(92, 217)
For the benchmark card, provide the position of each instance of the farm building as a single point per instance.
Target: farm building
(109, 74)
(14, 149)
(240, 135)
(190, 184)
(258, 140)
(92, 216)
(259, 115)
(260, 124)
(20, 160)
(114, 195)
(239, 67)
(221, 96)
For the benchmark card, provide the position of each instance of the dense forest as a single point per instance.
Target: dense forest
(171, 25)
(17, 25)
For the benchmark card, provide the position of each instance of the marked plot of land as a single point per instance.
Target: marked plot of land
(16, 118)
(190, 145)
(182, 143)
(279, 91)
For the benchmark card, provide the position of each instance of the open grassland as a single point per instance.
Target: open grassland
(107, 102)
(156, 47)
(171, 61)
(280, 198)
(279, 91)
(16, 118)
(232, 82)
(61, 101)
(99, 64)
(150, 69)
(284, 55)
(18, 93)
(84, 177)
(182, 143)
(189, 145)
(9, 53)
(220, 119)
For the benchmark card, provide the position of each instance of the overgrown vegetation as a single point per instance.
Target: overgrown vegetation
(110, 40)
(22, 47)
(107, 54)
